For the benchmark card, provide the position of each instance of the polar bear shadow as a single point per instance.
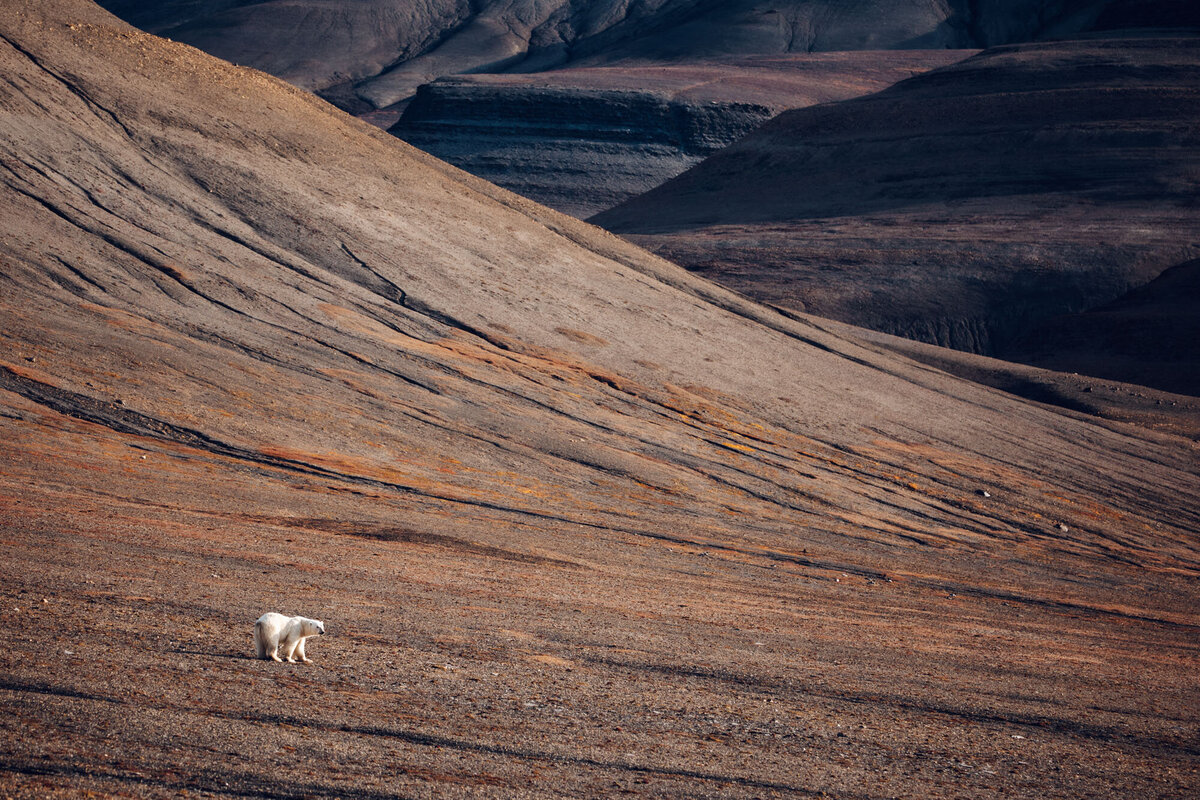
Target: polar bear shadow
(276, 634)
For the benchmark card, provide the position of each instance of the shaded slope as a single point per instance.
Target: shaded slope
(259, 355)
(1148, 336)
(959, 207)
(582, 140)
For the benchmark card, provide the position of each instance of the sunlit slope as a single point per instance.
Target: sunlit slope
(207, 262)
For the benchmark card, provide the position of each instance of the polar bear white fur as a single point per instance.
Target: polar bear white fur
(273, 632)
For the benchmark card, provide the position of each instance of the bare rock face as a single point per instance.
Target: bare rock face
(582, 140)
(961, 207)
(374, 53)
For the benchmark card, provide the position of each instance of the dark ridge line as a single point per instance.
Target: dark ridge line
(386, 371)
(453, 322)
(392, 533)
(257, 250)
(395, 290)
(303, 368)
(77, 289)
(428, 740)
(1144, 510)
(1056, 605)
(406, 302)
(11, 685)
(950, 508)
(78, 273)
(135, 423)
(720, 435)
(249, 351)
(118, 242)
(1028, 528)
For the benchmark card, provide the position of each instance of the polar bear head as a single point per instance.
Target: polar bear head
(312, 627)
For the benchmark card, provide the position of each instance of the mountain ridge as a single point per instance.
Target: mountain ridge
(375, 54)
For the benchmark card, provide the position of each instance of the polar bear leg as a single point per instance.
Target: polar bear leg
(268, 631)
(266, 641)
(300, 652)
(289, 648)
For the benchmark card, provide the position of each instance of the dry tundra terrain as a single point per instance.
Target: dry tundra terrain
(578, 523)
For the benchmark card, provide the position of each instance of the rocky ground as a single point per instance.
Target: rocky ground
(577, 522)
(582, 664)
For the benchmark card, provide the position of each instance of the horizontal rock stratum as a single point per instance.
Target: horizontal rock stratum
(582, 140)
(259, 356)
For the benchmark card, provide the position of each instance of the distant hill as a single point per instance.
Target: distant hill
(373, 53)
(962, 207)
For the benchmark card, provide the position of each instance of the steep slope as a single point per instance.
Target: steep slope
(960, 207)
(260, 356)
(582, 140)
(377, 52)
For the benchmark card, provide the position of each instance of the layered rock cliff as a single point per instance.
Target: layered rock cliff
(583, 140)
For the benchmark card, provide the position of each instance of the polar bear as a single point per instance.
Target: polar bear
(274, 631)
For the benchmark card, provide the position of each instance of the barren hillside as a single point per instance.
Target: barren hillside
(578, 523)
